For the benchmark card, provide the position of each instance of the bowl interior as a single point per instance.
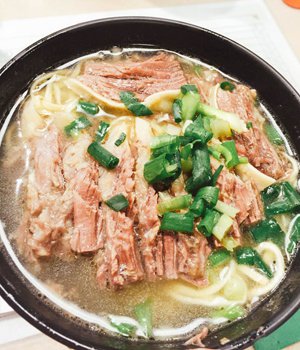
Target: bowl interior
(61, 47)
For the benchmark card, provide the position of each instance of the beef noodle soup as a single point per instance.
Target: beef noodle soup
(151, 191)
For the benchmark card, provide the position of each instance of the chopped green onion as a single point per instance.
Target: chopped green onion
(183, 140)
(209, 194)
(186, 151)
(243, 160)
(220, 128)
(164, 140)
(216, 175)
(165, 166)
(280, 198)
(117, 202)
(189, 105)
(268, 229)
(222, 227)
(294, 231)
(229, 243)
(187, 165)
(102, 156)
(214, 153)
(175, 203)
(272, 134)
(187, 88)
(177, 107)
(76, 125)
(120, 139)
(229, 152)
(227, 209)
(126, 329)
(197, 208)
(219, 257)
(227, 86)
(201, 173)
(196, 131)
(177, 222)
(234, 121)
(230, 312)
(88, 107)
(249, 125)
(170, 149)
(143, 313)
(207, 224)
(249, 256)
(133, 104)
(102, 130)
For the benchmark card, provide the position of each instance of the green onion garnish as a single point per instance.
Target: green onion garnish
(176, 203)
(196, 131)
(272, 134)
(133, 104)
(268, 229)
(177, 222)
(102, 156)
(188, 87)
(117, 202)
(101, 131)
(190, 102)
(249, 256)
(227, 86)
(209, 194)
(163, 140)
(126, 329)
(143, 313)
(249, 125)
(207, 224)
(88, 107)
(76, 125)
(216, 175)
(177, 108)
(120, 139)
(219, 257)
(198, 206)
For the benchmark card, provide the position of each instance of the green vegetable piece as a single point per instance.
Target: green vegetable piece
(76, 125)
(177, 110)
(102, 156)
(272, 134)
(186, 151)
(189, 107)
(280, 198)
(187, 88)
(88, 107)
(176, 203)
(184, 140)
(249, 125)
(187, 165)
(231, 158)
(120, 139)
(268, 229)
(177, 222)
(209, 194)
(165, 166)
(117, 202)
(164, 140)
(126, 329)
(196, 131)
(230, 312)
(101, 131)
(207, 224)
(143, 313)
(197, 208)
(294, 234)
(227, 86)
(216, 175)
(201, 173)
(214, 153)
(133, 104)
(219, 257)
(249, 256)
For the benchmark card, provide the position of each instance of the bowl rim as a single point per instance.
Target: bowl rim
(241, 342)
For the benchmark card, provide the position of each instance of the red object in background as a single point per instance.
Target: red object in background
(293, 3)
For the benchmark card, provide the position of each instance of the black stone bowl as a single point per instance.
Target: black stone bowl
(275, 92)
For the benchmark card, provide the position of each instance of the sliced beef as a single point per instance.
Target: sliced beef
(192, 253)
(120, 261)
(45, 187)
(146, 200)
(242, 195)
(170, 256)
(143, 76)
(253, 143)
